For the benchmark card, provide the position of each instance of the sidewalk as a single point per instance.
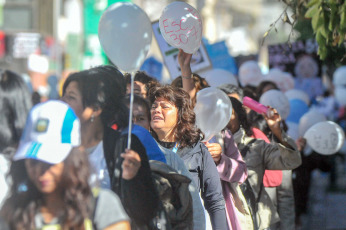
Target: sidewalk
(326, 209)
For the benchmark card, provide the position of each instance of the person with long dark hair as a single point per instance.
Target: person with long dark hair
(96, 95)
(50, 178)
(277, 183)
(15, 103)
(259, 155)
(173, 126)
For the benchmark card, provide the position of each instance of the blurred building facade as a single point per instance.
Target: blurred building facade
(25, 25)
(65, 31)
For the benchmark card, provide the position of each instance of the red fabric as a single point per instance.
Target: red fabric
(114, 126)
(271, 178)
(2, 44)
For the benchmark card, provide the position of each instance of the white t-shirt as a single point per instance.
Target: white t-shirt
(99, 175)
(4, 167)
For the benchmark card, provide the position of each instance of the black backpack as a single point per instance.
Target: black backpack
(248, 192)
(175, 211)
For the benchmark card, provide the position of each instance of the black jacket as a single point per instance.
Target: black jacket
(138, 195)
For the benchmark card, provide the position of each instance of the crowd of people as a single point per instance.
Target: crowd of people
(65, 163)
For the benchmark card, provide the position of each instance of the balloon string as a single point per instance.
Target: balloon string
(131, 109)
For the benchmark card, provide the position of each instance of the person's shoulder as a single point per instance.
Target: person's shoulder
(109, 209)
(107, 200)
(199, 146)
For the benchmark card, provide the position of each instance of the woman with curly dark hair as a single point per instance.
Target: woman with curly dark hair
(49, 178)
(173, 126)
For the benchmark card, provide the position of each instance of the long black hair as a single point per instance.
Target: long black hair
(103, 87)
(240, 111)
(15, 104)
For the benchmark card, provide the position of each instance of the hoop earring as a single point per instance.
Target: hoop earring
(92, 118)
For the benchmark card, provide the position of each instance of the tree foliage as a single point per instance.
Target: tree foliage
(328, 21)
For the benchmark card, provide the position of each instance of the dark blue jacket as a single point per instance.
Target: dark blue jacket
(199, 162)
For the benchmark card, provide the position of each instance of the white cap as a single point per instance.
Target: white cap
(51, 131)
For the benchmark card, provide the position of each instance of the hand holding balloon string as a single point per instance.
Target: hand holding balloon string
(215, 150)
(131, 164)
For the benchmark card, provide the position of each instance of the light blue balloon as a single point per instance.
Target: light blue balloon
(298, 109)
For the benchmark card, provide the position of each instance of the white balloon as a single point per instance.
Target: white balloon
(217, 77)
(181, 26)
(339, 77)
(325, 137)
(283, 80)
(213, 111)
(340, 95)
(309, 119)
(298, 94)
(250, 74)
(277, 100)
(125, 34)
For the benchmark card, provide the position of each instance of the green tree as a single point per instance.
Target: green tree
(324, 20)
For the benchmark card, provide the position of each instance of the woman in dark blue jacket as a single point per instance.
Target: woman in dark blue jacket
(173, 126)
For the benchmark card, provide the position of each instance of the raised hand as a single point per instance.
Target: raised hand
(184, 60)
(273, 121)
